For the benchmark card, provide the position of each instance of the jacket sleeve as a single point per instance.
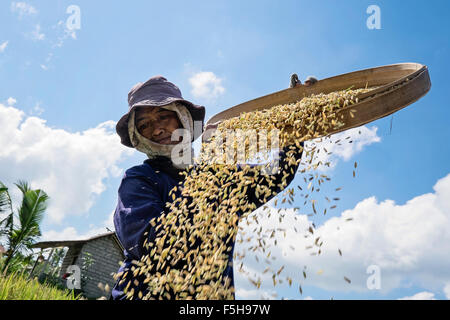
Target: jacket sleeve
(287, 170)
(138, 203)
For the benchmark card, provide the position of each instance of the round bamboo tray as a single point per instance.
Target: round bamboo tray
(398, 86)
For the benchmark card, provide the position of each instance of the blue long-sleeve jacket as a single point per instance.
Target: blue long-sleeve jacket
(142, 196)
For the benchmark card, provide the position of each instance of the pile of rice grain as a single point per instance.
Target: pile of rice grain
(193, 243)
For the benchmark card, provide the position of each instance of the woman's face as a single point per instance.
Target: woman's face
(157, 124)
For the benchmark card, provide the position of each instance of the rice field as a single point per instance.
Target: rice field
(17, 287)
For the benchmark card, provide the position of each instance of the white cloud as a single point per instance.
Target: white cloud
(70, 167)
(447, 290)
(11, 101)
(420, 296)
(37, 109)
(36, 33)
(70, 233)
(254, 294)
(206, 85)
(109, 222)
(23, 9)
(408, 242)
(342, 145)
(64, 33)
(3, 46)
(47, 61)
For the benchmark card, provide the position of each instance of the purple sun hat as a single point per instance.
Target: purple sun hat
(157, 92)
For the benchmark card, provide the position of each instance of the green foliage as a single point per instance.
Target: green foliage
(16, 286)
(87, 261)
(18, 263)
(50, 272)
(5, 209)
(52, 280)
(23, 229)
(57, 258)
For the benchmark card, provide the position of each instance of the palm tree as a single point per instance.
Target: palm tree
(22, 236)
(5, 207)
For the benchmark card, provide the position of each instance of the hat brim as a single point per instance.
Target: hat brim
(197, 113)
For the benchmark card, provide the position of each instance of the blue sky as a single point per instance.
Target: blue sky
(63, 90)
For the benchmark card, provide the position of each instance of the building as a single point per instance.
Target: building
(104, 250)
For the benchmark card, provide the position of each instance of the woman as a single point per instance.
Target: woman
(156, 114)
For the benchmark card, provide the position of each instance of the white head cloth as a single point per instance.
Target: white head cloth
(153, 149)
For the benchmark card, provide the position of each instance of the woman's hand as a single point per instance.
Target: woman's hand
(310, 81)
(296, 82)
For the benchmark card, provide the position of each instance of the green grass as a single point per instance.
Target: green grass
(17, 287)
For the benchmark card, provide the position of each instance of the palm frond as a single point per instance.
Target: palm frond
(30, 215)
(21, 235)
(5, 200)
(23, 186)
(5, 208)
(6, 225)
(33, 207)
